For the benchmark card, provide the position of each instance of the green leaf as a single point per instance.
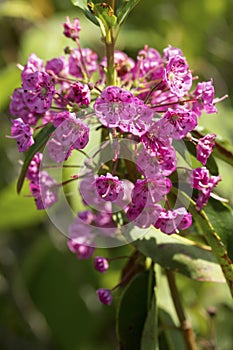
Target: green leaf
(105, 15)
(132, 312)
(150, 330)
(220, 216)
(125, 7)
(40, 141)
(212, 235)
(170, 337)
(82, 4)
(180, 254)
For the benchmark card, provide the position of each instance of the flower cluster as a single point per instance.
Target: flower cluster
(153, 103)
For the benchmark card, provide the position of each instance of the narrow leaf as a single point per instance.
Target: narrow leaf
(150, 330)
(170, 336)
(40, 141)
(125, 7)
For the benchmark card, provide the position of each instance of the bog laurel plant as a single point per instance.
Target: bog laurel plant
(151, 179)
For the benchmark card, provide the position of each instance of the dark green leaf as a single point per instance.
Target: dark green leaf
(82, 4)
(150, 331)
(132, 312)
(40, 141)
(180, 254)
(220, 216)
(125, 7)
(170, 337)
(212, 235)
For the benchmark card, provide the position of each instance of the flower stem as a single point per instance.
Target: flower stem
(185, 325)
(110, 74)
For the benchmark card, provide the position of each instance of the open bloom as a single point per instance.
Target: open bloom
(171, 221)
(70, 134)
(109, 187)
(178, 76)
(38, 91)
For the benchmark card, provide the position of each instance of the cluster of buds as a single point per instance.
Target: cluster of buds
(153, 103)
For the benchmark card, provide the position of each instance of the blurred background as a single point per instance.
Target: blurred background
(47, 296)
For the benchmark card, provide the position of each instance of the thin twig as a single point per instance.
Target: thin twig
(185, 325)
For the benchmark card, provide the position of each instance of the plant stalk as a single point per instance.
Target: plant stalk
(185, 325)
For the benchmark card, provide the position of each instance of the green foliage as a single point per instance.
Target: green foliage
(179, 254)
(132, 312)
(60, 288)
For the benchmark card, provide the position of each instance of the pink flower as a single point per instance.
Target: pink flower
(38, 91)
(101, 264)
(19, 109)
(204, 147)
(34, 166)
(21, 132)
(171, 221)
(70, 134)
(204, 96)
(79, 65)
(199, 178)
(33, 65)
(57, 65)
(72, 29)
(143, 216)
(178, 75)
(113, 105)
(109, 187)
(182, 121)
(104, 296)
(149, 65)
(205, 193)
(45, 190)
(79, 93)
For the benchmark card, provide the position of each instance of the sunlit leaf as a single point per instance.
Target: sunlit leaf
(179, 254)
(212, 233)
